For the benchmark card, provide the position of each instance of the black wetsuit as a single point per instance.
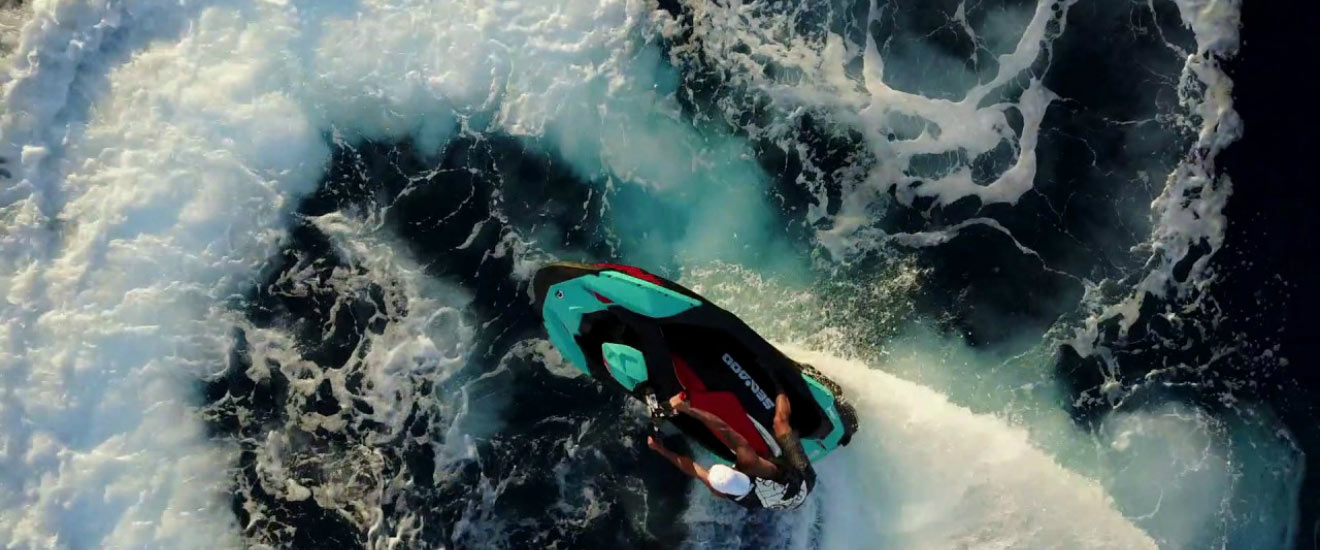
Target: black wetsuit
(790, 488)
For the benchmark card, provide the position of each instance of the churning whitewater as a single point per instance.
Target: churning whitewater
(265, 268)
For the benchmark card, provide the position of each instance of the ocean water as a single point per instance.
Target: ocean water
(265, 267)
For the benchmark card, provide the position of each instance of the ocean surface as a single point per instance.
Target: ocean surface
(265, 267)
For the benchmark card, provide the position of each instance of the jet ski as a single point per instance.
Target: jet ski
(653, 338)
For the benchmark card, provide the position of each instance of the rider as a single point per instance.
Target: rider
(781, 483)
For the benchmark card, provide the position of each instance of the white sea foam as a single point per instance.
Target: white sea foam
(157, 148)
(12, 17)
(898, 126)
(424, 343)
(926, 473)
(124, 232)
(761, 47)
(1190, 210)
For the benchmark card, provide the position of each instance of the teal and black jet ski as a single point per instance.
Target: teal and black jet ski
(653, 338)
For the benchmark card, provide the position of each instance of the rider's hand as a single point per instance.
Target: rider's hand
(781, 403)
(679, 401)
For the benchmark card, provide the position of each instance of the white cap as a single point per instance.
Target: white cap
(729, 481)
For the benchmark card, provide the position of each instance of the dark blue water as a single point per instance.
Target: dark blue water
(1271, 284)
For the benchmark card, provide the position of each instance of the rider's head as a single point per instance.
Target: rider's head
(729, 481)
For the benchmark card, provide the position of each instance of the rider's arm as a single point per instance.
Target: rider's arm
(733, 439)
(688, 466)
(787, 437)
(745, 456)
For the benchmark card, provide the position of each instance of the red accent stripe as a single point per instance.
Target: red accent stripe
(602, 299)
(632, 272)
(686, 377)
(719, 403)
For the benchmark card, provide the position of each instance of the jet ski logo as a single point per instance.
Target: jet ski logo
(747, 379)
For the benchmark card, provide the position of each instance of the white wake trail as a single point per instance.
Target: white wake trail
(926, 473)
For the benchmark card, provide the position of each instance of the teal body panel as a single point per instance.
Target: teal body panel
(625, 363)
(818, 448)
(567, 302)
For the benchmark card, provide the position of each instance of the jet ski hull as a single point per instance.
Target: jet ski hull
(652, 338)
